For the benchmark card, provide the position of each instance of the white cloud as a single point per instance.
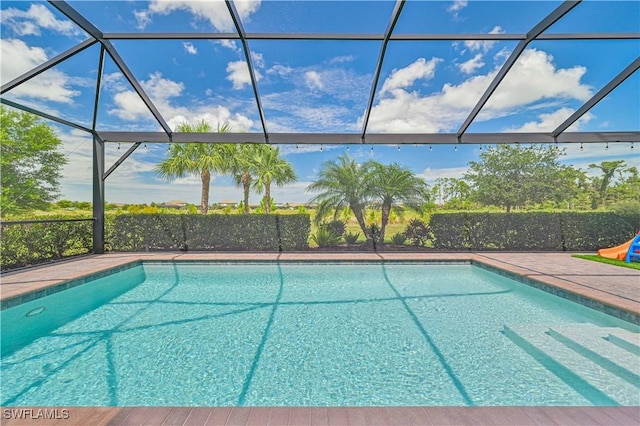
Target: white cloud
(114, 82)
(130, 106)
(51, 85)
(430, 175)
(483, 45)
(596, 153)
(303, 107)
(229, 44)
(342, 59)
(162, 91)
(257, 59)
(189, 48)
(313, 80)
(534, 78)
(212, 114)
(280, 70)
(215, 12)
(502, 55)
(31, 21)
(208, 92)
(142, 18)
(162, 88)
(23, 58)
(470, 66)
(405, 77)
(306, 148)
(457, 6)
(550, 121)
(239, 74)
(75, 183)
(308, 117)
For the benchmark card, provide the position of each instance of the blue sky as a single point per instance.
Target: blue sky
(321, 86)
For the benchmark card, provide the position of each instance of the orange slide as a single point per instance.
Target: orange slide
(617, 252)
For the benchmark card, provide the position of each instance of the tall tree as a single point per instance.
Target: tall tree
(393, 184)
(452, 192)
(343, 183)
(271, 169)
(628, 188)
(244, 166)
(31, 163)
(511, 176)
(196, 159)
(609, 169)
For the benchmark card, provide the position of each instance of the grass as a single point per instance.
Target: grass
(595, 258)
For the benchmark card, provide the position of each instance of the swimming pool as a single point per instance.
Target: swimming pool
(290, 334)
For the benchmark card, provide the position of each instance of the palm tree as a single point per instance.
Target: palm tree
(343, 183)
(270, 168)
(393, 184)
(196, 159)
(243, 166)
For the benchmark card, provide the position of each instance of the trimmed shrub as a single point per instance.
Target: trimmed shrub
(26, 244)
(211, 232)
(592, 231)
(535, 231)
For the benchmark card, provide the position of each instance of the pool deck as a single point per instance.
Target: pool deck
(609, 285)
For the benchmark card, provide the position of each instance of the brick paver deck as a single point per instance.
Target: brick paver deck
(611, 285)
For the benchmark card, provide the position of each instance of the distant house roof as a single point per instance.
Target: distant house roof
(174, 204)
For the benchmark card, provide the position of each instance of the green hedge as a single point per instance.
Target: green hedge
(565, 231)
(141, 232)
(30, 244)
(25, 244)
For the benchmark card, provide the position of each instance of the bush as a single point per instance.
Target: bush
(335, 226)
(325, 238)
(25, 244)
(418, 233)
(351, 238)
(630, 212)
(211, 232)
(398, 239)
(556, 231)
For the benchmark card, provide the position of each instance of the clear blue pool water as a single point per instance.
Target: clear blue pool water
(313, 335)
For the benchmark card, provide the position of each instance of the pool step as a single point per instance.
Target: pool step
(590, 341)
(628, 341)
(597, 384)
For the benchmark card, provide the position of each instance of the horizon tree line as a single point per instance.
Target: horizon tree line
(507, 176)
